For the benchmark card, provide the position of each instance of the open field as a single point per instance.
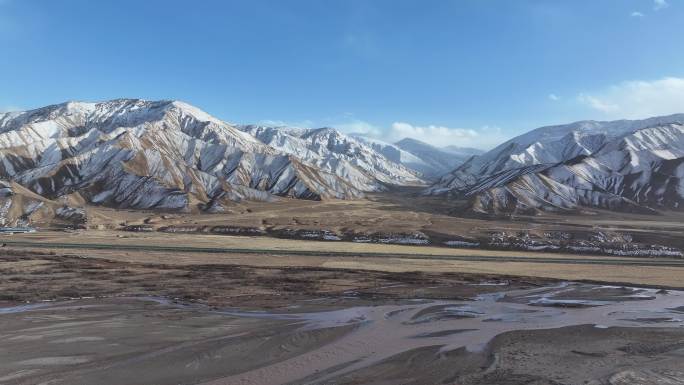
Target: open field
(30, 276)
(234, 250)
(395, 212)
(106, 306)
(219, 242)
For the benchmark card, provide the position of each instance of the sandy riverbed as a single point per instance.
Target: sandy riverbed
(507, 336)
(149, 318)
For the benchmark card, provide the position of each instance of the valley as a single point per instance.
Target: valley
(132, 154)
(149, 242)
(341, 192)
(399, 217)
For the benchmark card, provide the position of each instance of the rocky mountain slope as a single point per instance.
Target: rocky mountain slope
(620, 165)
(429, 161)
(465, 152)
(367, 162)
(439, 161)
(397, 155)
(169, 155)
(357, 161)
(140, 154)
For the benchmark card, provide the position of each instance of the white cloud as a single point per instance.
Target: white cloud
(554, 97)
(637, 14)
(660, 4)
(431, 134)
(347, 124)
(440, 136)
(282, 123)
(638, 99)
(484, 138)
(598, 104)
(356, 126)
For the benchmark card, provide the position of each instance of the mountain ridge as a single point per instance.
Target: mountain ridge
(170, 155)
(131, 153)
(430, 161)
(581, 164)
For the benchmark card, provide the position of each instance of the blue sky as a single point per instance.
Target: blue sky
(469, 73)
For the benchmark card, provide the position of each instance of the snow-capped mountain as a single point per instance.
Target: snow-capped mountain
(429, 161)
(437, 161)
(620, 165)
(365, 164)
(546, 145)
(399, 156)
(465, 152)
(131, 153)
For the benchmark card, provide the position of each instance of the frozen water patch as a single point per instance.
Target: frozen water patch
(22, 308)
(387, 330)
(544, 301)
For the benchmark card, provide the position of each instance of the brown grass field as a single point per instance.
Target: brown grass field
(357, 259)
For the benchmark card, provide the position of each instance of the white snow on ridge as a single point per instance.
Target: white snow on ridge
(348, 157)
(151, 154)
(621, 165)
(131, 153)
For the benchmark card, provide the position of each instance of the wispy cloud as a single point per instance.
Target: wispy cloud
(660, 4)
(637, 14)
(357, 126)
(554, 97)
(4, 109)
(598, 104)
(282, 123)
(484, 138)
(347, 124)
(637, 98)
(430, 133)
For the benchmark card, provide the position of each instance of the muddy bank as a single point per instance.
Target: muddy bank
(28, 276)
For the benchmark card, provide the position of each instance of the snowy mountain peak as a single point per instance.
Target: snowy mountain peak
(467, 151)
(348, 157)
(625, 164)
(407, 142)
(438, 161)
(151, 154)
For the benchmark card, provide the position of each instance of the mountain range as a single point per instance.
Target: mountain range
(138, 154)
(628, 165)
(130, 153)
